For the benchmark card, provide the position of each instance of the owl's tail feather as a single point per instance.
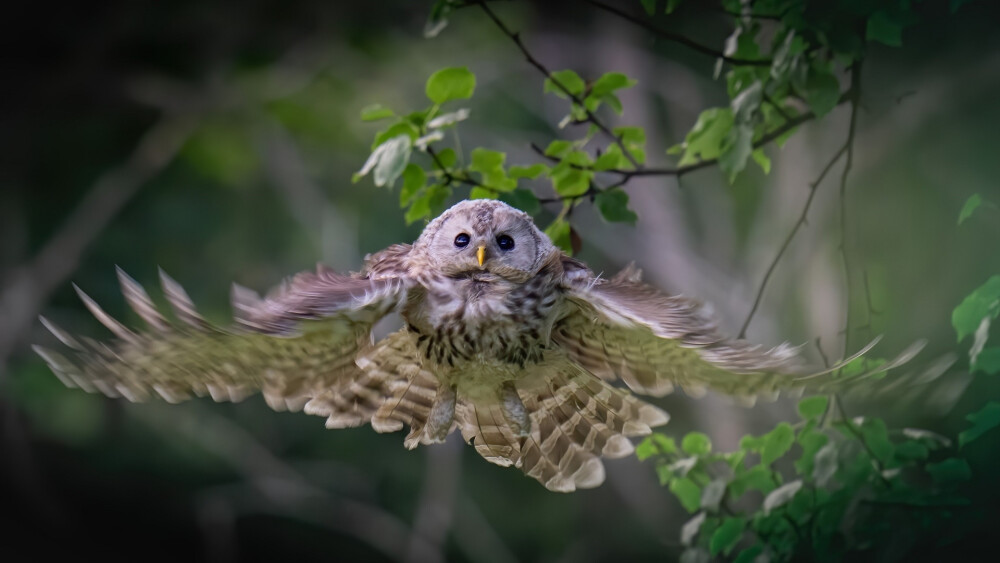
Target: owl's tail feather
(484, 427)
(397, 391)
(577, 418)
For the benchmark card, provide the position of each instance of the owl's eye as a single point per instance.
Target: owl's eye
(462, 240)
(505, 242)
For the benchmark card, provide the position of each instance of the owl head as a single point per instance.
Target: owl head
(483, 236)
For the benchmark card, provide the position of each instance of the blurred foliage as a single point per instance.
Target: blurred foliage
(259, 189)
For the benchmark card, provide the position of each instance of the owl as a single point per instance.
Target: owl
(506, 339)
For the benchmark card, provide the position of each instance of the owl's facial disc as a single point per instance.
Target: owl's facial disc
(486, 239)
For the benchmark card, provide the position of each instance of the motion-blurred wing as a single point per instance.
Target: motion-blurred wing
(300, 340)
(622, 328)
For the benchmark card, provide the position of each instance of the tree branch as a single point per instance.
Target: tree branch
(591, 117)
(676, 37)
(788, 240)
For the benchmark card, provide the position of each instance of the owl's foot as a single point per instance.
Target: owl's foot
(442, 415)
(514, 410)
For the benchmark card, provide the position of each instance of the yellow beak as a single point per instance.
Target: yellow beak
(481, 254)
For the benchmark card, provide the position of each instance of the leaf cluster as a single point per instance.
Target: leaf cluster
(808, 490)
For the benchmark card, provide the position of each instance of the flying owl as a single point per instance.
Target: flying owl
(506, 339)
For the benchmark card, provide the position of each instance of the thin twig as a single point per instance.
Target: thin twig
(591, 117)
(682, 170)
(855, 99)
(450, 177)
(678, 38)
(788, 240)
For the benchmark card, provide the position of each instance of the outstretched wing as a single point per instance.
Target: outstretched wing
(301, 339)
(622, 328)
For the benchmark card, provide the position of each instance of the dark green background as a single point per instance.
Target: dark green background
(261, 189)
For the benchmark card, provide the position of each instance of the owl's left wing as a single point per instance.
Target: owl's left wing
(299, 340)
(622, 328)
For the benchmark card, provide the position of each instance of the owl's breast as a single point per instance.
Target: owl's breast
(474, 320)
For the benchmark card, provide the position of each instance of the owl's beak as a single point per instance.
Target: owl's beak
(481, 254)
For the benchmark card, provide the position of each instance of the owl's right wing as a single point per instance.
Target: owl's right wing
(621, 328)
(299, 340)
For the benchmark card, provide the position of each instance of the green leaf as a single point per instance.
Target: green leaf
(782, 495)
(982, 303)
(736, 149)
(437, 196)
(610, 82)
(751, 443)
(704, 141)
(931, 439)
(522, 199)
(419, 209)
(482, 193)
(812, 408)
(876, 437)
(811, 441)
(423, 142)
(696, 443)
(822, 91)
(950, 470)
(690, 529)
(630, 136)
(757, 478)
(453, 83)
(438, 18)
(414, 179)
(988, 361)
(558, 232)
(609, 161)
(655, 443)
(395, 130)
(825, 464)
(568, 79)
(533, 171)
(613, 206)
(983, 420)
(970, 205)
(750, 554)
(884, 29)
(388, 160)
(448, 119)
(762, 160)
(776, 443)
(573, 182)
(911, 450)
(649, 6)
(665, 474)
(486, 160)
(395, 154)
(671, 6)
(688, 492)
(559, 148)
(447, 158)
(727, 536)
(375, 112)
(712, 494)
